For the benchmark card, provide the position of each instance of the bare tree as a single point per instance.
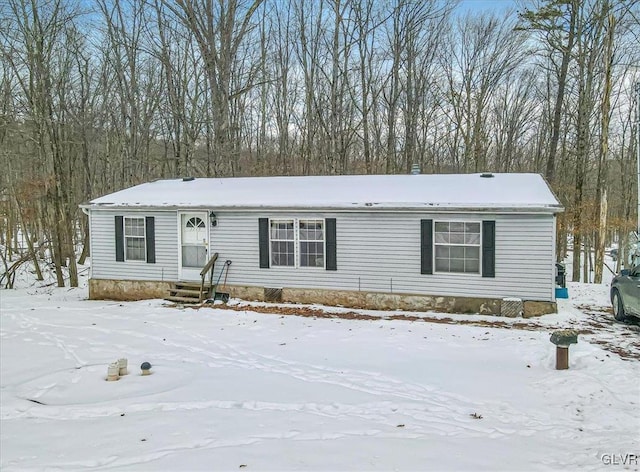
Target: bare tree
(556, 21)
(514, 113)
(285, 88)
(484, 52)
(34, 43)
(135, 86)
(219, 28)
(141, 89)
(607, 18)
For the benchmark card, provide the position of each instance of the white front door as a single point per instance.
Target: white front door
(194, 244)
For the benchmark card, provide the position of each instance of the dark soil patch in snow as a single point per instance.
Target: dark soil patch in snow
(622, 339)
(351, 315)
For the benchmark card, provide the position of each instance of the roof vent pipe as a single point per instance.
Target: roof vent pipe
(415, 169)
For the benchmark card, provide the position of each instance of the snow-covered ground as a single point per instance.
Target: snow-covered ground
(233, 389)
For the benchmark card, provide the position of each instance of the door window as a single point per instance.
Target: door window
(194, 241)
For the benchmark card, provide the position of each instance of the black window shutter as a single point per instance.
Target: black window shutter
(263, 240)
(119, 239)
(332, 261)
(150, 231)
(488, 248)
(426, 246)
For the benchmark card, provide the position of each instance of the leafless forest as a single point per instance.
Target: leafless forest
(99, 95)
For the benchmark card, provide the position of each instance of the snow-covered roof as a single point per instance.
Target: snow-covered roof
(403, 192)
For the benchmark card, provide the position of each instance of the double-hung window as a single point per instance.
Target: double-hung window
(282, 243)
(311, 243)
(134, 239)
(297, 243)
(457, 246)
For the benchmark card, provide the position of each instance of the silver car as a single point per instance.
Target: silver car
(625, 294)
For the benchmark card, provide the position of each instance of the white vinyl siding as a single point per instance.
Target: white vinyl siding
(376, 252)
(380, 252)
(103, 247)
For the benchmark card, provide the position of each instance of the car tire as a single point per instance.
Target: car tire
(618, 307)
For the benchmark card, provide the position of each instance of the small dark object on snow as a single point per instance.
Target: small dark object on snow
(143, 439)
(222, 296)
(242, 465)
(121, 414)
(36, 401)
(400, 426)
(476, 416)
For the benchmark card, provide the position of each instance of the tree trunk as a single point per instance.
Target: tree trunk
(601, 194)
(562, 83)
(85, 243)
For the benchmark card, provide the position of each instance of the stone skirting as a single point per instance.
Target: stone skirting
(140, 290)
(128, 290)
(392, 301)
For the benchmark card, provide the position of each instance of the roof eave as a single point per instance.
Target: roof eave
(335, 208)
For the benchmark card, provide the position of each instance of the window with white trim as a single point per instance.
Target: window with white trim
(195, 222)
(297, 243)
(134, 239)
(282, 242)
(311, 243)
(457, 246)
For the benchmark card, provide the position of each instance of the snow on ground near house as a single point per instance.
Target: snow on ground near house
(237, 390)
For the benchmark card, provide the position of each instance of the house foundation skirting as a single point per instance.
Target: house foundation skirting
(127, 290)
(140, 290)
(388, 301)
